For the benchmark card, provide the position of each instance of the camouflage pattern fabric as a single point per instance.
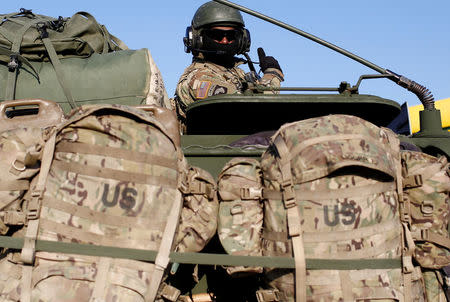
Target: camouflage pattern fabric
(115, 175)
(198, 221)
(427, 188)
(19, 162)
(429, 205)
(240, 211)
(342, 175)
(157, 94)
(203, 79)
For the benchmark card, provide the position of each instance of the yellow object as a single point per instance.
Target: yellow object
(442, 105)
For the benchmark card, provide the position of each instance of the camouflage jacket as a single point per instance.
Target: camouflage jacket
(203, 79)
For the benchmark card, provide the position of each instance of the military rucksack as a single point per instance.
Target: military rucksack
(426, 182)
(240, 211)
(112, 176)
(21, 141)
(330, 189)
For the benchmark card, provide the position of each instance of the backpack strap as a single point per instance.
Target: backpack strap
(33, 211)
(12, 65)
(407, 241)
(293, 218)
(42, 28)
(162, 258)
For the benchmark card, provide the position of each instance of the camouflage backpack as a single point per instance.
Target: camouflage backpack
(240, 211)
(112, 176)
(331, 187)
(20, 148)
(426, 192)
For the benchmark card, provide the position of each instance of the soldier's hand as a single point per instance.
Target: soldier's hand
(267, 61)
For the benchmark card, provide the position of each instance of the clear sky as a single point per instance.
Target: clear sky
(411, 38)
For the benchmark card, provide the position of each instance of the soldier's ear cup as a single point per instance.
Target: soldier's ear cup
(192, 40)
(246, 41)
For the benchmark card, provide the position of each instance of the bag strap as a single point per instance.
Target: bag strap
(293, 218)
(33, 213)
(12, 65)
(42, 28)
(162, 258)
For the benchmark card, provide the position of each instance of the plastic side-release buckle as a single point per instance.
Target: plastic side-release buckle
(13, 217)
(250, 193)
(269, 295)
(169, 293)
(413, 181)
(407, 264)
(13, 62)
(34, 205)
(288, 195)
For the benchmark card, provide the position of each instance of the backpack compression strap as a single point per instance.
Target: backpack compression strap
(33, 212)
(293, 219)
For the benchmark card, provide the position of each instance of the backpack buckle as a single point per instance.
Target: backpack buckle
(251, 193)
(288, 194)
(34, 205)
(42, 29)
(13, 62)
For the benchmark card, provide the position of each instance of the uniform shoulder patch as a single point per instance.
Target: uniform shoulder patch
(202, 90)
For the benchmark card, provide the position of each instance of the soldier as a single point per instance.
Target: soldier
(217, 33)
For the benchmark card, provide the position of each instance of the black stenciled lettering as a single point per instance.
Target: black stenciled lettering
(115, 199)
(348, 211)
(326, 216)
(128, 201)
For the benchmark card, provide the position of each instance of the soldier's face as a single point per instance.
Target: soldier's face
(223, 34)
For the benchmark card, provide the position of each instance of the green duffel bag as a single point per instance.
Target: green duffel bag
(26, 36)
(127, 77)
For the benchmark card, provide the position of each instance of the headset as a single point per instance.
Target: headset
(193, 41)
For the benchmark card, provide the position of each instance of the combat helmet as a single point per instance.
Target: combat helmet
(214, 13)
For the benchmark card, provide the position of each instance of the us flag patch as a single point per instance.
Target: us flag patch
(202, 90)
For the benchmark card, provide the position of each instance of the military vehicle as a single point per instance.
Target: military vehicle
(255, 116)
(252, 112)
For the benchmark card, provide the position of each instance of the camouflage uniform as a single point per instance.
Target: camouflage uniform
(203, 79)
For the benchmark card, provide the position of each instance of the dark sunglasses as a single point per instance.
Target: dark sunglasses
(219, 34)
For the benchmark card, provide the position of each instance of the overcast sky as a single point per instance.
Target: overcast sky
(411, 38)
